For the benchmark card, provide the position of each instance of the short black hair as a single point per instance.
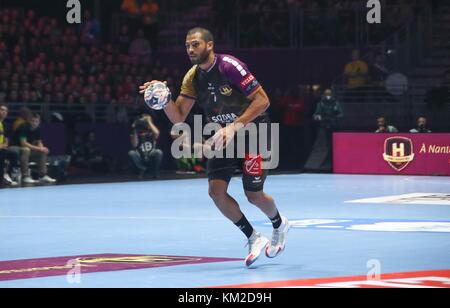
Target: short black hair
(4, 105)
(205, 33)
(35, 115)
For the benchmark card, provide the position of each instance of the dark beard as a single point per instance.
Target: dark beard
(202, 58)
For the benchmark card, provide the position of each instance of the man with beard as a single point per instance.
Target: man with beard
(232, 97)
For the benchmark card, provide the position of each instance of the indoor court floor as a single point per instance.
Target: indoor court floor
(345, 229)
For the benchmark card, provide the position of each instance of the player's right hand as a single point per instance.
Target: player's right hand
(147, 84)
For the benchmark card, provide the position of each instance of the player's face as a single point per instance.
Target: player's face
(197, 49)
(3, 112)
(35, 122)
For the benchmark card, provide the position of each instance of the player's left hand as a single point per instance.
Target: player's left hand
(223, 137)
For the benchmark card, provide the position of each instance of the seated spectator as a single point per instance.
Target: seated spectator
(145, 155)
(27, 142)
(383, 127)
(421, 126)
(5, 153)
(24, 117)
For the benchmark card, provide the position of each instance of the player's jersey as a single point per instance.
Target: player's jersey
(146, 144)
(222, 90)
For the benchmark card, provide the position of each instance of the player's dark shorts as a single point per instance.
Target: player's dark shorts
(253, 175)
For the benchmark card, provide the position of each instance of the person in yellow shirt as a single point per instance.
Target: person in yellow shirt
(356, 72)
(5, 153)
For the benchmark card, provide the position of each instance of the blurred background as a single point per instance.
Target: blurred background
(83, 78)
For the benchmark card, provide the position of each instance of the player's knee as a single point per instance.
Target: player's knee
(255, 198)
(216, 193)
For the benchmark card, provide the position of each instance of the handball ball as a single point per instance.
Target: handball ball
(157, 95)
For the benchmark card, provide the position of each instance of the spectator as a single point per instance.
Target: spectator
(383, 127)
(327, 114)
(421, 126)
(356, 72)
(145, 155)
(5, 153)
(27, 143)
(328, 110)
(24, 117)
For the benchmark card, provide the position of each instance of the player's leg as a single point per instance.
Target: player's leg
(280, 223)
(253, 180)
(220, 172)
(230, 209)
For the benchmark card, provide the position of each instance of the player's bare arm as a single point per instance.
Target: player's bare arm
(259, 104)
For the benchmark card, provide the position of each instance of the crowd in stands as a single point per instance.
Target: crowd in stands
(44, 61)
(266, 23)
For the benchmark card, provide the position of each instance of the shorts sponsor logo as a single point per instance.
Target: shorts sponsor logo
(252, 165)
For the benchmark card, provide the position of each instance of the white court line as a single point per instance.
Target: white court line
(413, 198)
(113, 218)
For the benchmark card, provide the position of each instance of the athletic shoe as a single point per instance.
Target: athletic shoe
(278, 241)
(256, 243)
(8, 181)
(29, 180)
(47, 179)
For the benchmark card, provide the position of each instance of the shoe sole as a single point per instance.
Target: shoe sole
(281, 249)
(249, 263)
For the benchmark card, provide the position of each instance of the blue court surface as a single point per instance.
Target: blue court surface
(122, 232)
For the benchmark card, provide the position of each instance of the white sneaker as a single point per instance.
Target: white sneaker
(256, 243)
(47, 179)
(9, 181)
(29, 180)
(278, 242)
